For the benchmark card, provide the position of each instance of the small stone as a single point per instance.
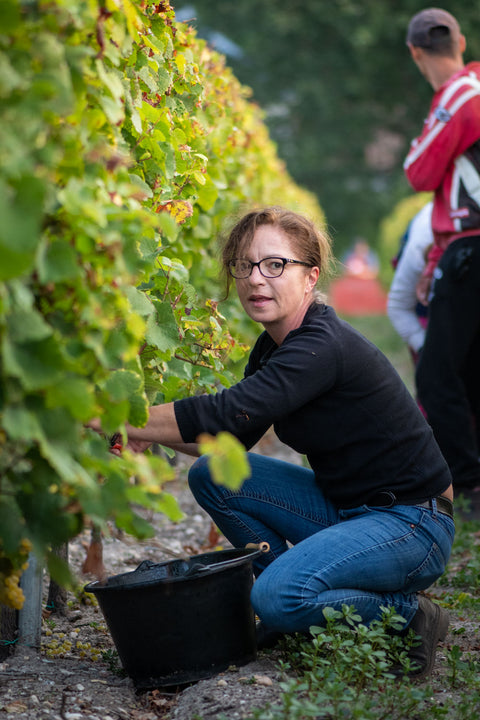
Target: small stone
(15, 707)
(263, 680)
(222, 683)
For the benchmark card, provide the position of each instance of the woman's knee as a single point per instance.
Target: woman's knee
(275, 602)
(267, 604)
(199, 476)
(287, 593)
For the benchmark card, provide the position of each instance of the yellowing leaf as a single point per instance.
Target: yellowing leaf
(180, 62)
(200, 178)
(181, 210)
(134, 22)
(227, 459)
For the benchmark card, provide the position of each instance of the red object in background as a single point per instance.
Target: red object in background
(350, 295)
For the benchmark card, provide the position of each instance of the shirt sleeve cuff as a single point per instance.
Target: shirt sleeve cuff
(188, 430)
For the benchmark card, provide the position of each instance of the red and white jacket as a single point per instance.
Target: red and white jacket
(445, 159)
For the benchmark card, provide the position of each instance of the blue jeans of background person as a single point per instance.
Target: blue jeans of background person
(366, 557)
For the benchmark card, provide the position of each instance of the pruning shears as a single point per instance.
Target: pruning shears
(116, 442)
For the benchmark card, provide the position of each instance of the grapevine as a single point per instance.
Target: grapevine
(126, 145)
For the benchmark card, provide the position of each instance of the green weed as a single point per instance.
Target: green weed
(112, 660)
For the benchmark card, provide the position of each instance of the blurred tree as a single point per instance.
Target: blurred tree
(343, 99)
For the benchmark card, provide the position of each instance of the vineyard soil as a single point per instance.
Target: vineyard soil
(76, 675)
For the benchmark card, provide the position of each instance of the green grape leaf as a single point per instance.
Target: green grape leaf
(60, 571)
(22, 424)
(167, 504)
(162, 330)
(163, 81)
(58, 262)
(27, 326)
(36, 364)
(20, 213)
(207, 194)
(139, 302)
(74, 394)
(134, 524)
(141, 185)
(169, 228)
(11, 524)
(125, 388)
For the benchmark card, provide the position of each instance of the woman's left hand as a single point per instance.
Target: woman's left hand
(138, 446)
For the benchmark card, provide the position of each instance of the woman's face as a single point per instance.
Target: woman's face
(280, 303)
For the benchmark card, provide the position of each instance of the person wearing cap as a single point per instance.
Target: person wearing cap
(445, 159)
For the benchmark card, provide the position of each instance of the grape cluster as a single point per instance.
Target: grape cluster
(11, 594)
(11, 569)
(58, 644)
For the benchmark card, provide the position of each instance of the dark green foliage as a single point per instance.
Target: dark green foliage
(335, 76)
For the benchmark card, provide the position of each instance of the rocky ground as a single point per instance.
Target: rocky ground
(76, 674)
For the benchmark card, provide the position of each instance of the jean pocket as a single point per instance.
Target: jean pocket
(429, 570)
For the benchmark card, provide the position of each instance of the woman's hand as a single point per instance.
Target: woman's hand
(138, 446)
(161, 428)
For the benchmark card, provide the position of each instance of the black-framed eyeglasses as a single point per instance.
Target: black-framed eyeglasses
(269, 267)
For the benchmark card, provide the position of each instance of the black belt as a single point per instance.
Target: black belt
(444, 505)
(386, 498)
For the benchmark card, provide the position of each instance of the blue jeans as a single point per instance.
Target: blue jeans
(366, 557)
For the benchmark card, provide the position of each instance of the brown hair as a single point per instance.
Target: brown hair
(311, 244)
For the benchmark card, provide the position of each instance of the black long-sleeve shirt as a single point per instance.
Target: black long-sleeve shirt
(333, 396)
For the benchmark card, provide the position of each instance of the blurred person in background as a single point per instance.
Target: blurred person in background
(407, 315)
(445, 159)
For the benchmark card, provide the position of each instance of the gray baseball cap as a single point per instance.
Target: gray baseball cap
(431, 28)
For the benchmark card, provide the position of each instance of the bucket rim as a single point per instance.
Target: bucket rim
(197, 570)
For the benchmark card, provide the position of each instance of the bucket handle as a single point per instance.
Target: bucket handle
(198, 568)
(262, 546)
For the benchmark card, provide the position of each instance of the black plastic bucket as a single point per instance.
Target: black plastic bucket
(183, 620)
